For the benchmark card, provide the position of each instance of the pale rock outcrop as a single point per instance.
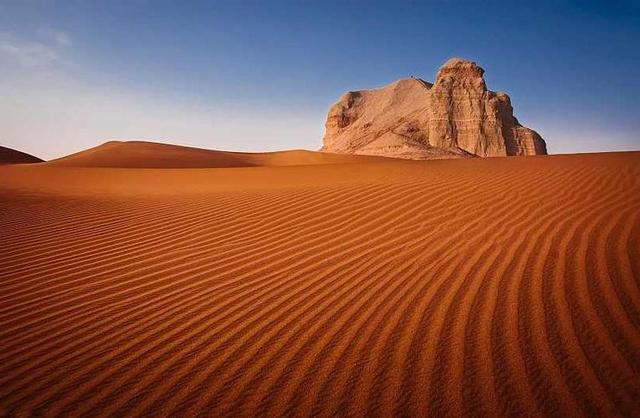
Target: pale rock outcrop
(411, 118)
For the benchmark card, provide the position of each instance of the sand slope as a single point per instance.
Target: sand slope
(505, 286)
(11, 156)
(140, 154)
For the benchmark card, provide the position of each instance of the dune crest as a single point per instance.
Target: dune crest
(142, 154)
(11, 156)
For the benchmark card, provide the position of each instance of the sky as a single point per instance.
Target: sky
(261, 75)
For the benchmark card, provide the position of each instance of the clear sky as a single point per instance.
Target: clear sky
(261, 75)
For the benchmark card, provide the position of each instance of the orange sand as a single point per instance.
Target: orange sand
(504, 286)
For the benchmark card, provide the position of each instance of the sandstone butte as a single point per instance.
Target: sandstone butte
(414, 119)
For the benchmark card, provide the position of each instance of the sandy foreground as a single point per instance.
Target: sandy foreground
(500, 286)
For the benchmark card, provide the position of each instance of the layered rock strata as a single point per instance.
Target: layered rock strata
(411, 118)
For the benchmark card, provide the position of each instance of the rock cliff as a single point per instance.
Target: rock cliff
(411, 118)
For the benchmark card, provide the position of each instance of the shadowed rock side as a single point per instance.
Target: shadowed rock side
(411, 118)
(11, 156)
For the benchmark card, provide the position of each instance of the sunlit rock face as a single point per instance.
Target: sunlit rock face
(411, 118)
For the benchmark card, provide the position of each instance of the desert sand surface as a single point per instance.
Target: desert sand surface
(320, 287)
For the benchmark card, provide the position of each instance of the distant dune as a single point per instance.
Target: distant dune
(139, 154)
(305, 284)
(11, 156)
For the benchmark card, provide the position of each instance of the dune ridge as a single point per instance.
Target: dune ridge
(11, 156)
(142, 154)
(498, 286)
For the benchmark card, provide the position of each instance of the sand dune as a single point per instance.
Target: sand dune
(140, 154)
(11, 156)
(498, 286)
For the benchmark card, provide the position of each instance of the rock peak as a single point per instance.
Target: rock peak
(457, 62)
(455, 117)
(458, 71)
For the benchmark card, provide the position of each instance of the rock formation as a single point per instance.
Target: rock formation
(411, 118)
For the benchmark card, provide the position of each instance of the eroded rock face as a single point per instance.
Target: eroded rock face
(411, 118)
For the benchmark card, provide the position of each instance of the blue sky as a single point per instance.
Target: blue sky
(261, 75)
